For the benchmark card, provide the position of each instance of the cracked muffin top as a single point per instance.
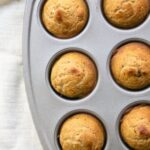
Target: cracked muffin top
(73, 75)
(82, 132)
(130, 66)
(126, 13)
(135, 127)
(65, 18)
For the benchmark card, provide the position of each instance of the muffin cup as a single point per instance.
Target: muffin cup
(56, 57)
(41, 22)
(115, 18)
(124, 111)
(113, 52)
(74, 112)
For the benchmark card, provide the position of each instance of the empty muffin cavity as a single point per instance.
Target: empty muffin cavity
(129, 65)
(125, 14)
(134, 127)
(64, 19)
(80, 130)
(73, 75)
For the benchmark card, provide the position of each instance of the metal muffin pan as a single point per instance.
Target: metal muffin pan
(108, 101)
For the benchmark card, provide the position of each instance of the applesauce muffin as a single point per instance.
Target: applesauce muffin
(73, 75)
(65, 18)
(130, 66)
(135, 127)
(126, 13)
(82, 132)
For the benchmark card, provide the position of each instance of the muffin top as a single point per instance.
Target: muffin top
(82, 132)
(130, 66)
(126, 13)
(65, 18)
(135, 127)
(73, 75)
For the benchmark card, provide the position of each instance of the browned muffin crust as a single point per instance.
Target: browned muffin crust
(126, 13)
(135, 127)
(130, 66)
(73, 75)
(65, 18)
(82, 132)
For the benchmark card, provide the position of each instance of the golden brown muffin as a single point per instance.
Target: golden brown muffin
(82, 132)
(130, 66)
(73, 75)
(65, 18)
(135, 128)
(126, 13)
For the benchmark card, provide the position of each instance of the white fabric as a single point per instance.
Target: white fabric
(17, 131)
(4, 1)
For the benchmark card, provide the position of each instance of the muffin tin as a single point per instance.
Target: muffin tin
(108, 101)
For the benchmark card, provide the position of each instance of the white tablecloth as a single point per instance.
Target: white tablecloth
(17, 131)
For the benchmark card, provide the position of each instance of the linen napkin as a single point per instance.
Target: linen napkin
(17, 131)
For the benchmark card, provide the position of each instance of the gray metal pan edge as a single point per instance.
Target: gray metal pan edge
(26, 68)
(107, 101)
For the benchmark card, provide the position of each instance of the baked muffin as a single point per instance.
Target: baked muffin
(130, 66)
(135, 128)
(82, 132)
(73, 75)
(126, 13)
(65, 18)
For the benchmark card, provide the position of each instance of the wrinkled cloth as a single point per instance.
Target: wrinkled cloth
(17, 131)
